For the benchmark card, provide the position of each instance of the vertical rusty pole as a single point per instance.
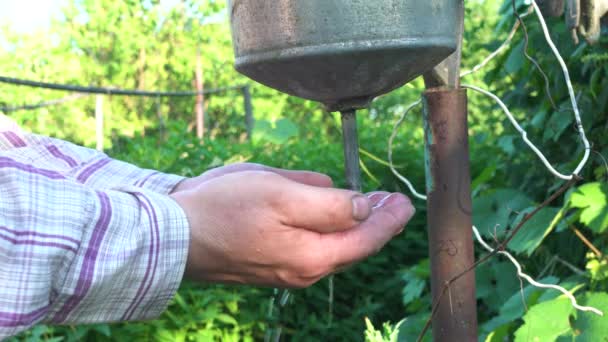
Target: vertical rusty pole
(449, 214)
(448, 188)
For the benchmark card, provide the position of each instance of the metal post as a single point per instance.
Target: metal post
(448, 187)
(99, 122)
(449, 214)
(351, 150)
(352, 172)
(248, 111)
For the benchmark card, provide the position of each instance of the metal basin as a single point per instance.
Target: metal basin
(342, 53)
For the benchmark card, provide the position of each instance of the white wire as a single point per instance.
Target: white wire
(577, 115)
(523, 133)
(500, 48)
(534, 282)
(390, 153)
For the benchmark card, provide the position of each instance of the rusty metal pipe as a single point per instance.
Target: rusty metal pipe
(449, 219)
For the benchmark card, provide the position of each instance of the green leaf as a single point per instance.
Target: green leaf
(278, 132)
(546, 321)
(495, 209)
(515, 61)
(415, 279)
(413, 289)
(595, 81)
(589, 326)
(103, 329)
(226, 319)
(499, 335)
(495, 282)
(232, 306)
(592, 199)
(534, 230)
(572, 285)
(513, 308)
(538, 120)
(285, 129)
(486, 175)
(409, 328)
(506, 143)
(261, 129)
(556, 126)
(54, 339)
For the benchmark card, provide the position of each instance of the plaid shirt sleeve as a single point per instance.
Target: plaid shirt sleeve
(76, 250)
(87, 166)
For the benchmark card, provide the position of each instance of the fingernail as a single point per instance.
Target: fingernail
(373, 197)
(411, 212)
(361, 207)
(383, 201)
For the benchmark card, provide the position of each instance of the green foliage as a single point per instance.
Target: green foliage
(416, 279)
(556, 320)
(493, 211)
(535, 230)
(591, 200)
(388, 333)
(590, 327)
(545, 321)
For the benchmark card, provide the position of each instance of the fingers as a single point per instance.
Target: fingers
(321, 209)
(387, 220)
(304, 177)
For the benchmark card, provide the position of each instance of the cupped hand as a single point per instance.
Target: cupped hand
(283, 228)
(306, 177)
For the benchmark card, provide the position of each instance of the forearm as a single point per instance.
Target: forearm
(70, 254)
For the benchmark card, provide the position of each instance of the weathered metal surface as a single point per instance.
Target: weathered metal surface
(449, 213)
(447, 73)
(352, 169)
(342, 53)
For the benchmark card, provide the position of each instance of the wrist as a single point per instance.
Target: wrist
(182, 185)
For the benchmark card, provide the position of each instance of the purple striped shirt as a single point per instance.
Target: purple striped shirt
(83, 238)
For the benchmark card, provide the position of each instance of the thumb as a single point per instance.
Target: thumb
(322, 209)
(387, 220)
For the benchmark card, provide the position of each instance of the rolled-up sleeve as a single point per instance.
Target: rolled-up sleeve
(73, 253)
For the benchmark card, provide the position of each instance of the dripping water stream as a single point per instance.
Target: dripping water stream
(352, 173)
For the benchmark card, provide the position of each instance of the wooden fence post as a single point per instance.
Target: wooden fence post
(99, 121)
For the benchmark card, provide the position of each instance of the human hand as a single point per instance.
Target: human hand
(264, 228)
(306, 177)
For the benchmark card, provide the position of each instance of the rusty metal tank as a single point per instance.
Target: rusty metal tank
(342, 53)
